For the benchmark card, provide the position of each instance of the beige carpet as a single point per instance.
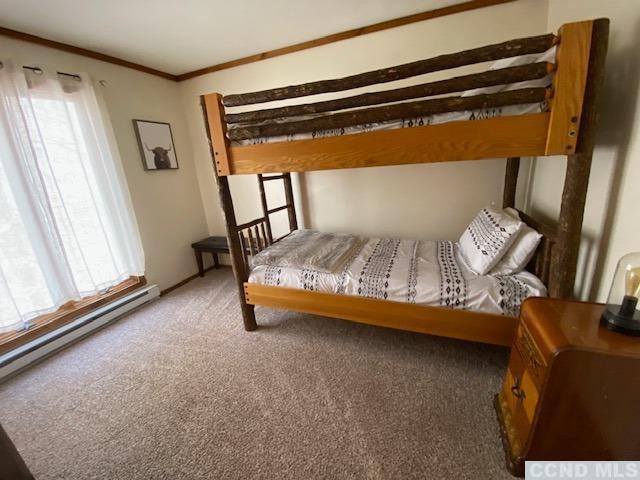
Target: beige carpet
(179, 390)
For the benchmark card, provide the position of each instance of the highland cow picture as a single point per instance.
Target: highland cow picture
(156, 145)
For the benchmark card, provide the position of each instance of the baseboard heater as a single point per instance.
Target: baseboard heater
(23, 357)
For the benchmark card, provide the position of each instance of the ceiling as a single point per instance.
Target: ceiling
(182, 36)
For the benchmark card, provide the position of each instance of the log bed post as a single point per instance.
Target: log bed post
(564, 258)
(214, 112)
(510, 182)
(291, 206)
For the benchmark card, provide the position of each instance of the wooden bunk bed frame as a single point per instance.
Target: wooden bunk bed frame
(567, 128)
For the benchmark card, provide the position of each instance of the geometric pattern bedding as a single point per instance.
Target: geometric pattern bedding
(413, 271)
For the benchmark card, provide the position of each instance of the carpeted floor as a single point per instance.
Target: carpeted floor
(179, 390)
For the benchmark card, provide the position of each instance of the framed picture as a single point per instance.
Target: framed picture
(156, 145)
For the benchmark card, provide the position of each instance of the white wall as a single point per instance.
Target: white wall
(611, 226)
(167, 204)
(420, 201)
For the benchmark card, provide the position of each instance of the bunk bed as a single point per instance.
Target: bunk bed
(507, 111)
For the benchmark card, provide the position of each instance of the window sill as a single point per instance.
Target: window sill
(65, 314)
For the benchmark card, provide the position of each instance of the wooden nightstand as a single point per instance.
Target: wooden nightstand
(572, 389)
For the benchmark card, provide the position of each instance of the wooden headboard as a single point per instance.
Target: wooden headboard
(540, 264)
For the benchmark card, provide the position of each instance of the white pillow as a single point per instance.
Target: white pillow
(487, 239)
(520, 252)
(513, 212)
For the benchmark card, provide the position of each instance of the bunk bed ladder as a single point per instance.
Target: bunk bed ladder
(289, 203)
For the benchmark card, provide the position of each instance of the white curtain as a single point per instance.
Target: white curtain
(67, 228)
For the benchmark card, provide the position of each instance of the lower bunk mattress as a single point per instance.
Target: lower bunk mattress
(430, 273)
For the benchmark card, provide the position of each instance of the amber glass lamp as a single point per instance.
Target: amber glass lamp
(622, 314)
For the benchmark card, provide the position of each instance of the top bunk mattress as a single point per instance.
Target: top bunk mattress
(512, 110)
(430, 273)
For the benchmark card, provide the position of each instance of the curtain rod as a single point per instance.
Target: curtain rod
(38, 69)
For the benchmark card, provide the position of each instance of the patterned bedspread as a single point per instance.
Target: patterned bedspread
(413, 271)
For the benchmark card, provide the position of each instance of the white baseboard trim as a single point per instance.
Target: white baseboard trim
(37, 350)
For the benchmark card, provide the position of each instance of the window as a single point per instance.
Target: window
(67, 229)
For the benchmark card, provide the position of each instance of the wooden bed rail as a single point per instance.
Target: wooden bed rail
(499, 137)
(462, 324)
(294, 119)
(387, 113)
(489, 78)
(488, 53)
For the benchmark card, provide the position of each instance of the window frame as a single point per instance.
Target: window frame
(67, 313)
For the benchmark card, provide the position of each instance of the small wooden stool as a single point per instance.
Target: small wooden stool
(212, 245)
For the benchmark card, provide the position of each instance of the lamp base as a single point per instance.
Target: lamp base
(619, 323)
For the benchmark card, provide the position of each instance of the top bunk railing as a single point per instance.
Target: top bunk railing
(489, 53)
(553, 131)
(389, 113)
(490, 78)
(291, 120)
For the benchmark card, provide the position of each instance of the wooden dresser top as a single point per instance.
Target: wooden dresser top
(561, 324)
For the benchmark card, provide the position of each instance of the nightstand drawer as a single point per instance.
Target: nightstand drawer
(533, 360)
(519, 399)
